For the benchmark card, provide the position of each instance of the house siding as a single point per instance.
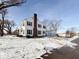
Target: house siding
(24, 27)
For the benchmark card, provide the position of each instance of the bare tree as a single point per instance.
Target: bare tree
(9, 25)
(52, 25)
(6, 4)
(3, 12)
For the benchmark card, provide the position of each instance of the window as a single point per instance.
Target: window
(43, 32)
(21, 30)
(29, 23)
(29, 31)
(44, 27)
(39, 32)
(39, 25)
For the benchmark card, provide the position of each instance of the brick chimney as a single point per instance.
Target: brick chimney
(35, 25)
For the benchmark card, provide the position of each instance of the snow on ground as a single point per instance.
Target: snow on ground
(12, 47)
(75, 37)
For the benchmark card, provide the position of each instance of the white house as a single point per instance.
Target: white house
(32, 27)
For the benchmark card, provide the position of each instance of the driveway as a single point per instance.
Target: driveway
(64, 52)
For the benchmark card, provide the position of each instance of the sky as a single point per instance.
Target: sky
(66, 10)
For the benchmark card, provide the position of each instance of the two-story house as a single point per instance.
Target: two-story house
(32, 27)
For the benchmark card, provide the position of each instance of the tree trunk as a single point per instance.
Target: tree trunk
(2, 30)
(9, 30)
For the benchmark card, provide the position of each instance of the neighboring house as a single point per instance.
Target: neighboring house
(32, 27)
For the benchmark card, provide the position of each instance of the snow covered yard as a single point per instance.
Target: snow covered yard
(12, 47)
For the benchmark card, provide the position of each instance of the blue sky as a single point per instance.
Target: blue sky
(67, 10)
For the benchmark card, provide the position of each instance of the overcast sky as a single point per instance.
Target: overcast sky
(67, 10)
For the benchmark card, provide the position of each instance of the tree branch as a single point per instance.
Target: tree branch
(10, 5)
